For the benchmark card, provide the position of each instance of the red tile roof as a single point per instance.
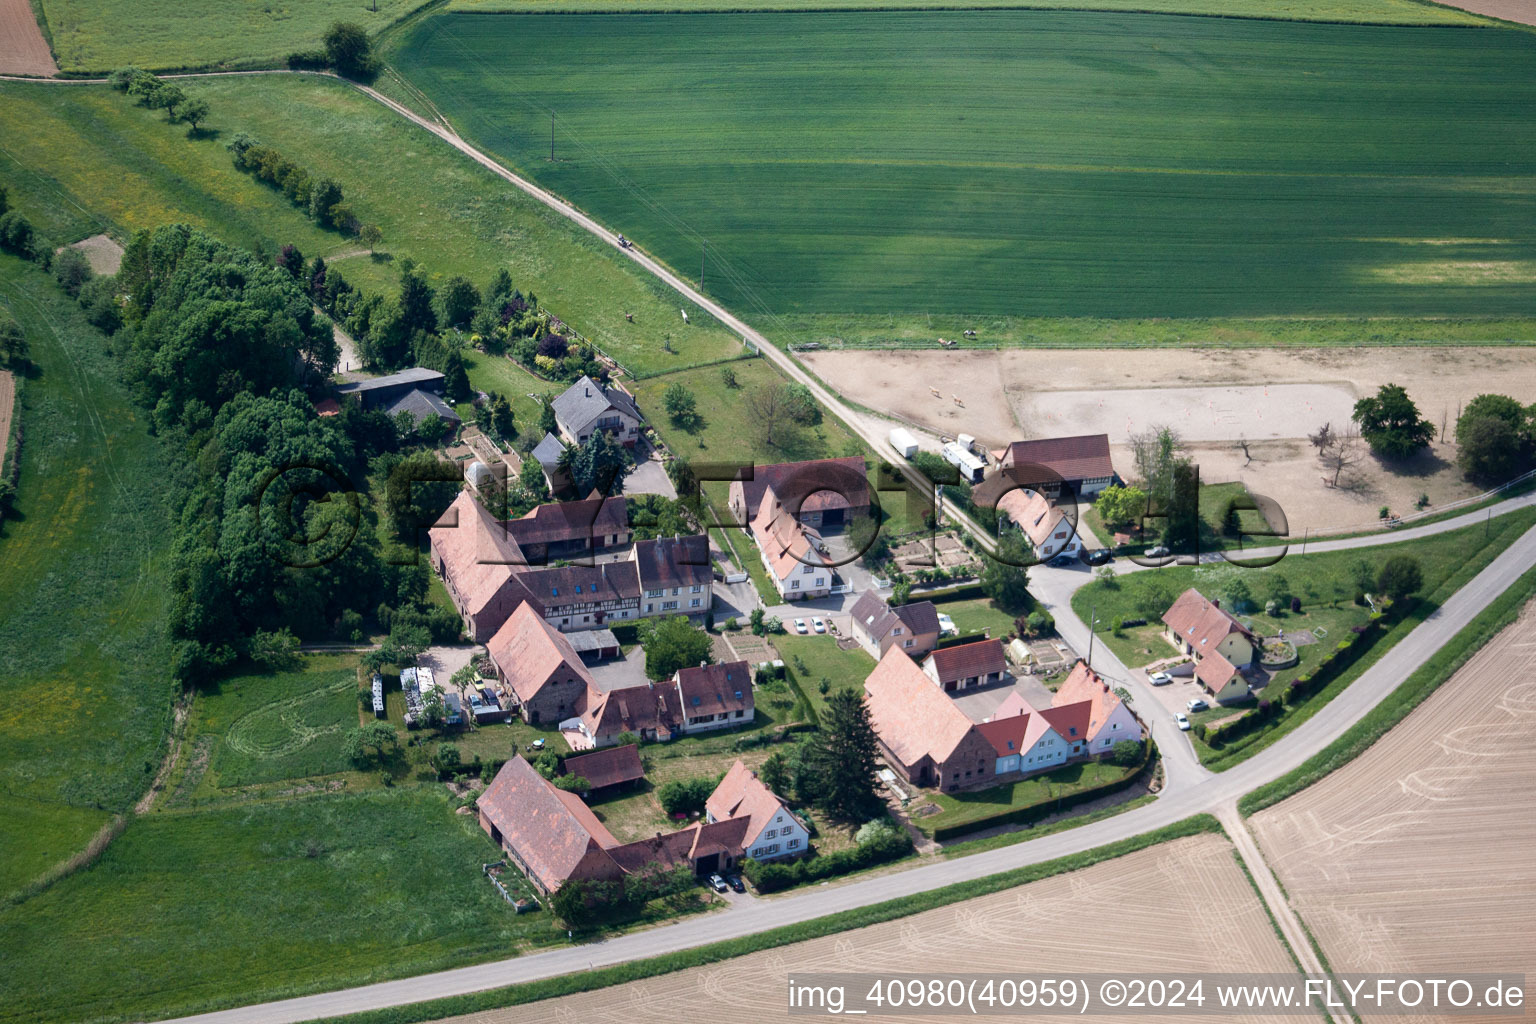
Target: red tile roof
(911, 716)
(530, 652)
(1035, 515)
(632, 709)
(555, 835)
(1084, 685)
(787, 543)
(1070, 721)
(1014, 734)
(477, 555)
(1085, 457)
(674, 562)
(571, 520)
(1214, 671)
(715, 689)
(608, 767)
(1200, 623)
(821, 485)
(741, 794)
(966, 660)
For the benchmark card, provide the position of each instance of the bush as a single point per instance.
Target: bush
(308, 60)
(1126, 753)
(685, 796)
(72, 270)
(16, 234)
(878, 843)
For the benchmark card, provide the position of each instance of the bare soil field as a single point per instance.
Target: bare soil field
(23, 50)
(1419, 856)
(7, 403)
(1150, 911)
(103, 254)
(1212, 396)
(1522, 11)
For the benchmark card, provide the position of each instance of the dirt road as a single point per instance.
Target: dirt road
(7, 403)
(23, 50)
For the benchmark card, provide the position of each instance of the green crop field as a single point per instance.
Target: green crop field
(1024, 162)
(99, 35)
(87, 687)
(259, 900)
(86, 148)
(1395, 12)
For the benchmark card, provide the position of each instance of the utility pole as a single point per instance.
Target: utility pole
(551, 136)
(703, 254)
(1093, 620)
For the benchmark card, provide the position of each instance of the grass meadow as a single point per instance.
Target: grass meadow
(99, 35)
(108, 164)
(1024, 162)
(87, 686)
(193, 910)
(1396, 12)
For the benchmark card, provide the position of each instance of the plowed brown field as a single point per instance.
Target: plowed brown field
(1420, 856)
(23, 50)
(1163, 909)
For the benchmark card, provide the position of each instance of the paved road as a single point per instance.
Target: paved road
(1212, 793)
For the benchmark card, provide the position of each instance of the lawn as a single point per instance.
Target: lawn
(1324, 584)
(99, 35)
(977, 615)
(87, 686)
(822, 659)
(91, 160)
(959, 808)
(190, 910)
(262, 727)
(1399, 12)
(1082, 165)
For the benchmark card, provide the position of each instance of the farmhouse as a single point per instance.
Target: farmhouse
(587, 407)
(652, 711)
(825, 494)
(1080, 463)
(675, 575)
(790, 551)
(1109, 720)
(715, 696)
(479, 564)
(1220, 678)
(538, 665)
(964, 666)
(914, 628)
(923, 735)
(1024, 742)
(1199, 628)
(772, 830)
(555, 838)
(584, 597)
(1049, 530)
(604, 769)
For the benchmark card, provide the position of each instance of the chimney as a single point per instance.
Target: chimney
(703, 664)
(587, 392)
(1215, 602)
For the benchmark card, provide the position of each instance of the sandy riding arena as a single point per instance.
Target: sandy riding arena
(1151, 911)
(1418, 856)
(23, 50)
(1523, 11)
(1213, 397)
(103, 254)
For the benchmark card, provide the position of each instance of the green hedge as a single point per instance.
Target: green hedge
(775, 876)
(1045, 808)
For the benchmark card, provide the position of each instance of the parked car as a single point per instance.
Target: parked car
(800, 626)
(1196, 704)
(1061, 560)
(818, 625)
(1159, 678)
(1183, 720)
(717, 883)
(1158, 552)
(737, 883)
(1096, 556)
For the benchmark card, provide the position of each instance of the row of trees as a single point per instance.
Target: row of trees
(157, 94)
(321, 198)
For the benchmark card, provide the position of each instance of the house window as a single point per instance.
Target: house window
(896, 631)
(694, 603)
(770, 833)
(740, 713)
(696, 589)
(793, 844)
(675, 591)
(794, 584)
(653, 593)
(808, 570)
(773, 849)
(906, 643)
(757, 852)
